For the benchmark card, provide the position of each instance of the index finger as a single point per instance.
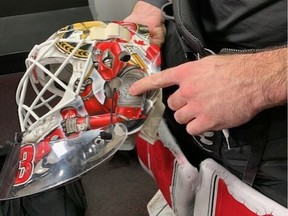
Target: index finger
(158, 80)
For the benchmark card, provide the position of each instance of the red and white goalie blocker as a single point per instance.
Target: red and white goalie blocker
(186, 191)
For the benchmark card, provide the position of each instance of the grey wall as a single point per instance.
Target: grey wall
(108, 10)
(18, 7)
(26, 23)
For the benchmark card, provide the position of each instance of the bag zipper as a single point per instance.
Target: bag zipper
(195, 44)
(250, 51)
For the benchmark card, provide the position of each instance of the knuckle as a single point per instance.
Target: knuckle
(185, 91)
(192, 130)
(170, 103)
(157, 80)
(163, 79)
(179, 118)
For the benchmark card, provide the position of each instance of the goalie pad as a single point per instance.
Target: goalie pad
(212, 190)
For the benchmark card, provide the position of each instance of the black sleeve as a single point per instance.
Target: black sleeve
(157, 3)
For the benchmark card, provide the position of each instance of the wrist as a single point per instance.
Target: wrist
(275, 84)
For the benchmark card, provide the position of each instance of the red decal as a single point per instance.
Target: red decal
(26, 165)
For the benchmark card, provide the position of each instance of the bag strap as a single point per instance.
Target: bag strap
(188, 25)
(255, 156)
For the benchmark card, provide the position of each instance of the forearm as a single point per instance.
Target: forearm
(256, 79)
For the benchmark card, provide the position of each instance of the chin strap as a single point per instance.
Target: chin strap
(112, 30)
(149, 131)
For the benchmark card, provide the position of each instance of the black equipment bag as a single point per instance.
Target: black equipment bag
(258, 149)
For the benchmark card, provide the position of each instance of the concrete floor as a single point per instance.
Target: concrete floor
(118, 187)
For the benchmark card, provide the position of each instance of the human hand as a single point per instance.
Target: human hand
(222, 91)
(149, 15)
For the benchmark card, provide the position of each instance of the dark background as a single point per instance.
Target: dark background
(28, 22)
(16, 7)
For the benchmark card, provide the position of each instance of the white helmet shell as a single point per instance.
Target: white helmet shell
(74, 107)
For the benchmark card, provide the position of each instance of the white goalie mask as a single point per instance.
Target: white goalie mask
(74, 107)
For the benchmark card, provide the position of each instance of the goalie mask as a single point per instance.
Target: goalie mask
(74, 107)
